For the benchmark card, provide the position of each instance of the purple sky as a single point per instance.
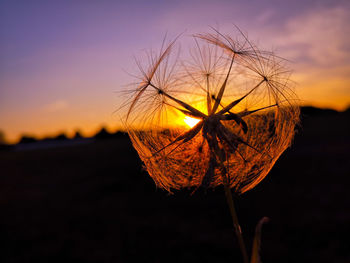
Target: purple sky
(62, 63)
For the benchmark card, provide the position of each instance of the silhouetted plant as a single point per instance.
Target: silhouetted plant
(103, 134)
(2, 138)
(27, 139)
(77, 135)
(244, 105)
(61, 137)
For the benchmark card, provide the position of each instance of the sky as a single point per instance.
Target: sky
(64, 63)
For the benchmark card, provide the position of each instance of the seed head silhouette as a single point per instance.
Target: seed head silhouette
(243, 103)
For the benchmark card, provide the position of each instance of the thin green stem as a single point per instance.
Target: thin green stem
(236, 223)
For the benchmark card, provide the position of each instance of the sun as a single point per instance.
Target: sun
(191, 121)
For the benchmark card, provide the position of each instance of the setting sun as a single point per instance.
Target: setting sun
(191, 121)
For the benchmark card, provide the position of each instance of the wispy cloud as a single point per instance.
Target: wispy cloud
(317, 42)
(320, 37)
(56, 106)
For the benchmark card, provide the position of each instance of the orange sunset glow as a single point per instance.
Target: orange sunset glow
(64, 64)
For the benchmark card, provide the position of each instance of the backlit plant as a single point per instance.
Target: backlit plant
(220, 114)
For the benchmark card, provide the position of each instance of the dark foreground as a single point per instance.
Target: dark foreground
(93, 203)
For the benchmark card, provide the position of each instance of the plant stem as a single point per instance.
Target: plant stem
(236, 223)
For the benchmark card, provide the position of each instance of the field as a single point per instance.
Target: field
(93, 202)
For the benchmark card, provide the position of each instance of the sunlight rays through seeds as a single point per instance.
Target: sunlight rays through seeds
(191, 122)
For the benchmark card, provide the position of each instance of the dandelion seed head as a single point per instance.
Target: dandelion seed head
(240, 103)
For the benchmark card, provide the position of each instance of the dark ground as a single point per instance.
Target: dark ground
(93, 203)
